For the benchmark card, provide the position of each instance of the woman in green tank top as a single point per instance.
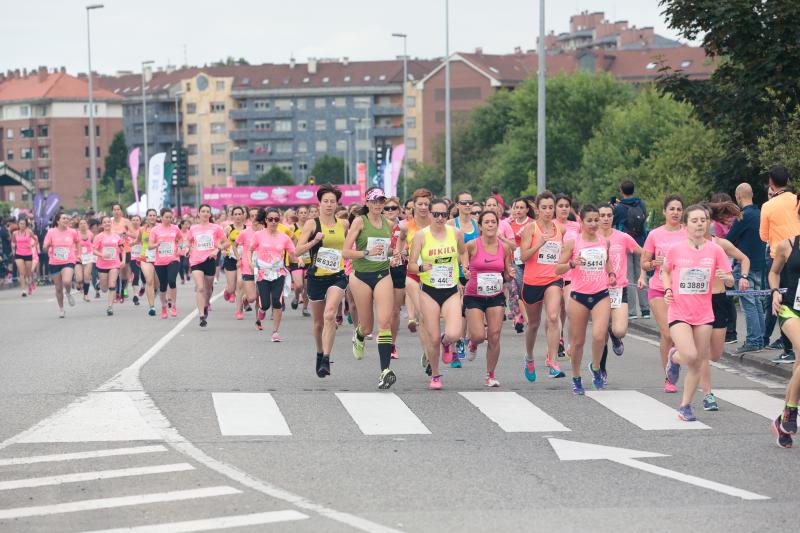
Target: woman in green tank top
(371, 281)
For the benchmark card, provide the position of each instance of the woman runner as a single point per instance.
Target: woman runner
(521, 217)
(469, 228)
(397, 265)
(164, 239)
(122, 226)
(300, 268)
(136, 252)
(61, 244)
(206, 240)
(232, 231)
(23, 245)
(371, 281)
(107, 247)
(83, 269)
(688, 270)
(183, 250)
(249, 293)
(147, 259)
(570, 229)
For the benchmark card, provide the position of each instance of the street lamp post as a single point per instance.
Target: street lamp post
(448, 176)
(405, 126)
(144, 118)
(177, 145)
(541, 155)
(347, 158)
(92, 149)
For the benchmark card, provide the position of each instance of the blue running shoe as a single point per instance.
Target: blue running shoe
(577, 387)
(455, 363)
(461, 350)
(604, 375)
(710, 403)
(784, 440)
(597, 378)
(673, 369)
(686, 414)
(530, 371)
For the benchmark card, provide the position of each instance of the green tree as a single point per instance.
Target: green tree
(117, 157)
(107, 195)
(230, 61)
(429, 177)
(275, 176)
(780, 142)
(328, 169)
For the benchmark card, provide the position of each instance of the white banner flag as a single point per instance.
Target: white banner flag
(155, 182)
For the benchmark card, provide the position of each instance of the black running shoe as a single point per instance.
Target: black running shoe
(203, 322)
(561, 352)
(784, 440)
(428, 369)
(135, 300)
(294, 303)
(789, 420)
(324, 367)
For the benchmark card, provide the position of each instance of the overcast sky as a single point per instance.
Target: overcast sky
(126, 32)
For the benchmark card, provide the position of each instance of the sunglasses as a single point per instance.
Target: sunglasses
(438, 214)
(476, 213)
(465, 202)
(391, 208)
(273, 219)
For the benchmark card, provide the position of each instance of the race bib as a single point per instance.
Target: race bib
(60, 253)
(442, 276)
(595, 259)
(150, 255)
(518, 256)
(109, 252)
(271, 269)
(305, 258)
(616, 297)
(136, 250)
(329, 259)
(166, 249)
(87, 258)
(796, 305)
(490, 283)
(204, 242)
(377, 241)
(694, 281)
(549, 253)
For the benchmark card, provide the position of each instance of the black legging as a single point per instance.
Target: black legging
(271, 292)
(136, 270)
(167, 275)
(184, 268)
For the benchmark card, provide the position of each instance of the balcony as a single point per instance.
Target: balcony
(390, 131)
(387, 110)
(245, 135)
(244, 114)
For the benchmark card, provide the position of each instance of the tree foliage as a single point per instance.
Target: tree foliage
(116, 159)
(328, 169)
(275, 176)
(106, 194)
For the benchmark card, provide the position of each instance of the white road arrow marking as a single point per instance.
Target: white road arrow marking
(568, 450)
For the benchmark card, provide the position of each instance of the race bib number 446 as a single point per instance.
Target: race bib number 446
(442, 276)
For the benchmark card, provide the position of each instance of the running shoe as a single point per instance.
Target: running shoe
(490, 381)
(561, 351)
(24, 294)
(386, 379)
(86, 298)
(324, 367)
(295, 303)
(616, 343)
(275, 337)
(394, 353)
(61, 313)
(785, 357)
(412, 326)
(645, 313)
(109, 311)
(784, 440)
(604, 375)
(96, 295)
(135, 300)
(141, 292)
(152, 311)
(349, 319)
(577, 387)
(597, 378)
(71, 299)
(461, 351)
(456, 363)
(519, 325)
(530, 370)
(259, 326)
(472, 351)
(368, 337)
(686, 414)
(436, 383)
(226, 296)
(163, 311)
(239, 315)
(203, 322)
(672, 370)
(358, 347)
(248, 308)
(173, 311)
(261, 314)
(339, 320)
(447, 351)
(710, 403)
(306, 313)
(777, 345)
(669, 387)
(789, 420)
(553, 368)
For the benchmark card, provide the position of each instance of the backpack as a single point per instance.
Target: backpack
(635, 225)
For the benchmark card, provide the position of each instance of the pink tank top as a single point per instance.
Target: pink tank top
(591, 277)
(23, 243)
(486, 271)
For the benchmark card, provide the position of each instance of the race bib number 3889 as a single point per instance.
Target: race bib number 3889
(694, 281)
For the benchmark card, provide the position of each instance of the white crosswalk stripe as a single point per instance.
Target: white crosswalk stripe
(222, 522)
(379, 413)
(77, 477)
(642, 410)
(512, 412)
(752, 400)
(248, 414)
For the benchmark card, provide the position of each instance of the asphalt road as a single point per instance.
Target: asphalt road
(203, 429)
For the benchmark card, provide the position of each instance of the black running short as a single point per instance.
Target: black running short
(207, 267)
(399, 276)
(719, 304)
(533, 294)
(318, 285)
(229, 264)
(484, 302)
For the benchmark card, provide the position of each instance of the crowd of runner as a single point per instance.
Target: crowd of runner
(460, 269)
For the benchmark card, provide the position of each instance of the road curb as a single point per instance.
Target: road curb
(749, 360)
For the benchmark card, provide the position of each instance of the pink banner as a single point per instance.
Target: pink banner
(133, 164)
(398, 154)
(361, 178)
(288, 195)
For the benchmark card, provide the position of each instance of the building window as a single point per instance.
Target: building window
(217, 107)
(340, 101)
(283, 125)
(44, 173)
(12, 196)
(219, 169)
(217, 148)
(341, 146)
(302, 125)
(26, 133)
(27, 153)
(301, 103)
(241, 104)
(220, 85)
(44, 152)
(86, 131)
(191, 108)
(283, 104)
(385, 100)
(10, 155)
(10, 133)
(97, 131)
(361, 101)
(320, 125)
(85, 151)
(262, 125)
(319, 103)
(287, 166)
(44, 131)
(385, 122)
(41, 110)
(97, 151)
(341, 124)
(261, 104)
(24, 111)
(302, 146)
(191, 149)
(217, 127)
(137, 129)
(260, 148)
(302, 166)
(411, 101)
(283, 147)
(411, 122)
(261, 167)
(411, 143)
(321, 146)
(191, 169)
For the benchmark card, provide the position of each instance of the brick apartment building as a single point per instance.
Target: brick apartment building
(44, 132)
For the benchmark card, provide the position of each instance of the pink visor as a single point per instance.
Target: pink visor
(375, 194)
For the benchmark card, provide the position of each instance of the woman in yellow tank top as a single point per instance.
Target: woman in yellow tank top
(435, 255)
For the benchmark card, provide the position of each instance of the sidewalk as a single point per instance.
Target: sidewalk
(759, 360)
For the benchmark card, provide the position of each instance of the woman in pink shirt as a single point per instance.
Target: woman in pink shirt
(592, 275)
(267, 252)
(165, 238)
(24, 245)
(656, 246)
(83, 269)
(248, 293)
(689, 269)
(107, 248)
(569, 229)
(206, 239)
(61, 245)
(183, 250)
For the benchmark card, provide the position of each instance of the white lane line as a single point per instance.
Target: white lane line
(248, 413)
(642, 410)
(100, 416)
(122, 501)
(96, 475)
(53, 458)
(222, 522)
(513, 413)
(378, 413)
(752, 400)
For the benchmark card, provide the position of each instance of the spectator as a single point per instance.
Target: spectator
(778, 222)
(630, 216)
(744, 234)
(6, 261)
(500, 201)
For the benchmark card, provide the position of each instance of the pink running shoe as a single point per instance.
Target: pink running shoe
(275, 337)
(239, 315)
(173, 311)
(163, 311)
(669, 387)
(394, 353)
(472, 351)
(260, 314)
(447, 352)
(226, 296)
(436, 383)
